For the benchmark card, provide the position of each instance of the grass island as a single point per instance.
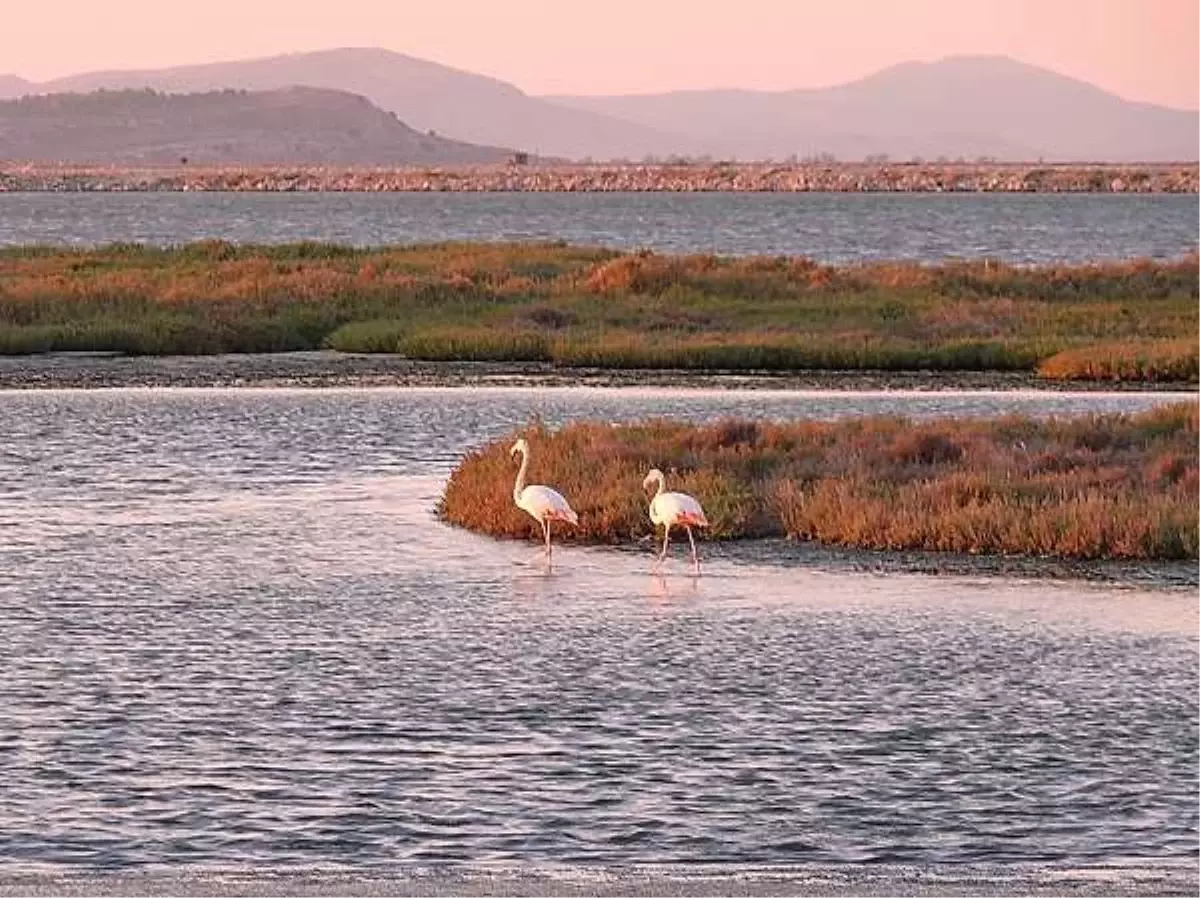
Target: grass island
(577, 307)
(1099, 486)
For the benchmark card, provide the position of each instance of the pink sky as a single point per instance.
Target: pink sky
(1139, 49)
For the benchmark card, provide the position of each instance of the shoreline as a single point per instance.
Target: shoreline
(331, 369)
(1139, 878)
(719, 177)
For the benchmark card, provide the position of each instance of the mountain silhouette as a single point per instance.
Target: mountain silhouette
(425, 95)
(289, 125)
(961, 106)
(969, 107)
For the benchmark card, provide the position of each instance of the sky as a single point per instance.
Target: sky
(1139, 49)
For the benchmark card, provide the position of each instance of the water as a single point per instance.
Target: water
(828, 227)
(237, 639)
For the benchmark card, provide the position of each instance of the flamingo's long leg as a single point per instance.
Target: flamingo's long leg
(546, 529)
(695, 557)
(662, 555)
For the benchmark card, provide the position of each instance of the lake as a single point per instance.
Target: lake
(237, 640)
(1032, 228)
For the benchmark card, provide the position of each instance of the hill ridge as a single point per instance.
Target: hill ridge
(965, 106)
(427, 95)
(296, 124)
(958, 106)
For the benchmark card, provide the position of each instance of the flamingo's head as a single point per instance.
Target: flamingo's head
(655, 476)
(519, 446)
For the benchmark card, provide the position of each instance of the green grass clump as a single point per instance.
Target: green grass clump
(576, 306)
(377, 335)
(1099, 486)
(473, 345)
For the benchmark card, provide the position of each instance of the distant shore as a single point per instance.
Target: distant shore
(849, 177)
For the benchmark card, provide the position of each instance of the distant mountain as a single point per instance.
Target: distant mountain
(12, 86)
(958, 107)
(425, 95)
(291, 125)
(961, 106)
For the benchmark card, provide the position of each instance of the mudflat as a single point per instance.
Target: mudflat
(328, 368)
(809, 881)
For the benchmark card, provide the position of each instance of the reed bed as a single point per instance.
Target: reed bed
(1088, 487)
(578, 306)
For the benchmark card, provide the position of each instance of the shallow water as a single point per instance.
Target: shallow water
(236, 638)
(1022, 228)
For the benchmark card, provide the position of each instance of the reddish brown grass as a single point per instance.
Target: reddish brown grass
(1174, 360)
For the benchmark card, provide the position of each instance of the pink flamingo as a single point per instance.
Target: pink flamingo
(674, 510)
(541, 503)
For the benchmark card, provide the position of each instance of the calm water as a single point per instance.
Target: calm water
(828, 227)
(236, 638)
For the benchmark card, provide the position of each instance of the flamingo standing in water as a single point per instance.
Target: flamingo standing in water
(674, 510)
(541, 503)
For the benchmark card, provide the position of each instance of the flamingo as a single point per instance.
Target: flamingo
(674, 510)
(541, 503)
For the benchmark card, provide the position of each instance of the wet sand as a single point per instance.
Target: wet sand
(826, 881)
(335, 369)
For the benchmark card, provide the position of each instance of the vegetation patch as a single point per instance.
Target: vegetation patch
(1164, 360)
(586, 307)
(1099, 486)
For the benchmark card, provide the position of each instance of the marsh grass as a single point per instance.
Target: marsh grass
(1168, 360)
(376, 335)
(1100, 486)
(593, 307)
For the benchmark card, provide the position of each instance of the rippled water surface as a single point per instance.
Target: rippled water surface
(829, 227)
(235, 636)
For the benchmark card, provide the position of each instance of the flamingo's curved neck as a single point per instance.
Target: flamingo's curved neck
(519, 486)
(659, 480)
